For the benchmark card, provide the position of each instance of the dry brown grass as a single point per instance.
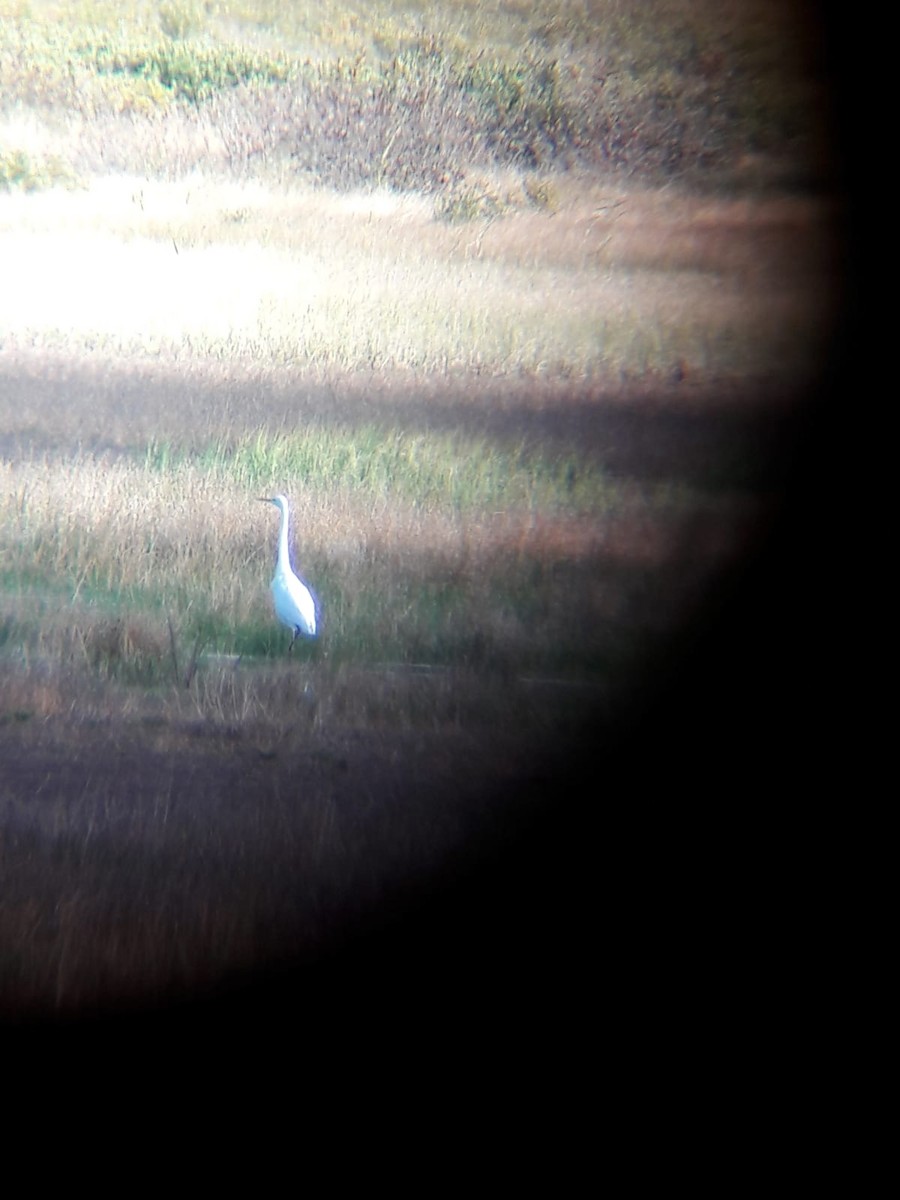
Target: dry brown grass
(609, 283)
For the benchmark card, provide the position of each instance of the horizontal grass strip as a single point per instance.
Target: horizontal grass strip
(430, 469)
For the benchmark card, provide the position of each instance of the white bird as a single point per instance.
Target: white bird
(295, 605)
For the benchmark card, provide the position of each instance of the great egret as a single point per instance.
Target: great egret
(295, 605)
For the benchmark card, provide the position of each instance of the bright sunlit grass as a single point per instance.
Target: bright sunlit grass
(217, 271)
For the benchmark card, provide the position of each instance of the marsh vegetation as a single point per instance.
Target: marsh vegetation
(526, 334)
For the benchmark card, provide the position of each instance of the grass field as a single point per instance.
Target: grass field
(532, 394)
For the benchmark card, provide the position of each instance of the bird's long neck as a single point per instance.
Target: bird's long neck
(284, 553)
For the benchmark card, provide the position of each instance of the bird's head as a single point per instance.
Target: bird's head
(280, 502)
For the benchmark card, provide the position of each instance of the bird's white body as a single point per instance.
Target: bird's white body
(295, 605)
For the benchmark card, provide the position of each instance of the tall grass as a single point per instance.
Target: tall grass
(448, 471)
(410, 96)
(418, 544)
(606, 285)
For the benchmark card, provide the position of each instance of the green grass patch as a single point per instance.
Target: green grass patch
(30, 173)
(430, 470)
(185, 73)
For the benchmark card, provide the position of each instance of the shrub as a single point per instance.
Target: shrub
(21, 170)
(468, 202)
(420, 121)
(188, 72)
(664, 90)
